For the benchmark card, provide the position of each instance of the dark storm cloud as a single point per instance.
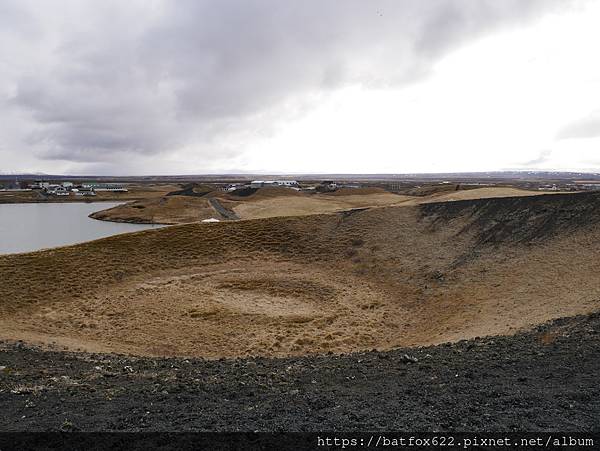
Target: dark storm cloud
(128, 80)
(586, 127)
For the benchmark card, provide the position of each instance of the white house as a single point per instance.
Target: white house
(61, 191)
(264, 183)
(288, 183)
(84, 191)
(118, 187)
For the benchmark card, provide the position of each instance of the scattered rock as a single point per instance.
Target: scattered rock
(408, 359)
(447, 390)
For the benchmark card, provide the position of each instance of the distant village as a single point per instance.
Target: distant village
(90, 189)
(65, 188)
(326, 185)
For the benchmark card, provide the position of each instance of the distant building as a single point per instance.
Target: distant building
(548, 188)
(264, 183)
(231, 187)
(61, 191)
(50, 188)
(117, 187)
(261, 183)
(39, 184)
(589, 186)
(327, 185)
(84, 191)
(288, 183)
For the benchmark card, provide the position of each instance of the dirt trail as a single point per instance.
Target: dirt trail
(224, 212)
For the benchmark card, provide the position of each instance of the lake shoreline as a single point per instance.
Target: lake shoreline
(29, 227)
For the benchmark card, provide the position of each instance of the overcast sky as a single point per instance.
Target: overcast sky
(181, 87)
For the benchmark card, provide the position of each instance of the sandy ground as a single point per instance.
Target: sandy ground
(484, 193)
(222, 310)
(313, 204)
(372, 279)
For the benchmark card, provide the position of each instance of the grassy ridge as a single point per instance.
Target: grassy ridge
(64, 272)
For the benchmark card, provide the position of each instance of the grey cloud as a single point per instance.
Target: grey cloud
(586, 127)
(543, 157)
(18, 21)
(196, 71)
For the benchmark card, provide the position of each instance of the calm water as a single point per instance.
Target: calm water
(30, 227)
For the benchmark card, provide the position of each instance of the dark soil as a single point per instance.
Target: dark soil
(244, 192)
(543, 380)
(526, 219)
(192, 191)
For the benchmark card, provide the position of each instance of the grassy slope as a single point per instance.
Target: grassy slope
(369, 279)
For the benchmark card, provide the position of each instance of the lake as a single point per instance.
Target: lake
(30, 227)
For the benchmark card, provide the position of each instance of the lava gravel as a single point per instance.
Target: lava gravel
(542, 380)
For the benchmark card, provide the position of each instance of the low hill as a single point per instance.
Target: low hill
(194, 204)
(269, 192)
(174, 209)
(357, 191)
(187, 205)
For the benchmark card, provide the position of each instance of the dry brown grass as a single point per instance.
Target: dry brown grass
(312, 204)
(483, 193)
(160, 210)
(357, 191)
(340, 282)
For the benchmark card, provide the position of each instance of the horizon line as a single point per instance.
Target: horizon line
(308, 174)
